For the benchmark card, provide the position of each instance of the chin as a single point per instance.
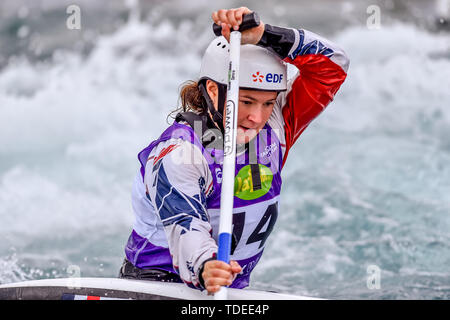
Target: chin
(246, 136)
(242, 140)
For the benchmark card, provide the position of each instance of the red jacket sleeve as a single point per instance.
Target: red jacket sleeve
(313, 89)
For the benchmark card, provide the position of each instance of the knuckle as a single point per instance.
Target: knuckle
(213, 264)
(217, 273)
(216, 264)
(213, 273)
(215, 282)
(210, 282)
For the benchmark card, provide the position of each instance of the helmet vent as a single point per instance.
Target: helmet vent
(223, 45)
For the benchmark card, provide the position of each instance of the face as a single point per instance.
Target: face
(255, 108)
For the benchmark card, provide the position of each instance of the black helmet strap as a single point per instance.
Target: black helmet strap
(217, 115)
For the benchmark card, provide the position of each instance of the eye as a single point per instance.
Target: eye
(246, 102)
(269, 103)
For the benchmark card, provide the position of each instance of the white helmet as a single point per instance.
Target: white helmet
(259, 69)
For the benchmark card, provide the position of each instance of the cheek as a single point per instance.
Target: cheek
(242, 115)
(266, 113)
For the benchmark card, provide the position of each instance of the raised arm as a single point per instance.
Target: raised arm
(322, 69)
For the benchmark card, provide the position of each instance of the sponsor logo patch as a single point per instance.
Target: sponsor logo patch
(270, 77)
(243, 183)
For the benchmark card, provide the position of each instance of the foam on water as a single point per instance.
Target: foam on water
(367, 184)
(70, 132)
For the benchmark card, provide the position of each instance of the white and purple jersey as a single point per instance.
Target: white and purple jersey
(176, 195)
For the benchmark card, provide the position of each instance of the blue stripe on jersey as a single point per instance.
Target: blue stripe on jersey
(174, 206)
(300, 45)
(313, 47)
(182, 219)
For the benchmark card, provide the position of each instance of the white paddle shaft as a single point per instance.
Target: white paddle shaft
(229, 157)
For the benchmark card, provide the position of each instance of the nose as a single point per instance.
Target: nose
(255, 115)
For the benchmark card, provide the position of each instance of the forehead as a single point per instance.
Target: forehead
(258, 94)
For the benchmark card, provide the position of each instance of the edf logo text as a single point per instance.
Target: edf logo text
(270, 77)
(275, 78)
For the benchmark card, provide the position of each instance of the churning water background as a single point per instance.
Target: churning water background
(368, 183)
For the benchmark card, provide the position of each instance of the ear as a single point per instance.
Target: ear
(213, 91)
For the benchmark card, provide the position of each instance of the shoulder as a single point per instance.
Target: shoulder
(179, 163)
(178, 144)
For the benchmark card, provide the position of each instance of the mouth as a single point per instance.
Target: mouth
(246, 131)
(245, 134)
(243, 128)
